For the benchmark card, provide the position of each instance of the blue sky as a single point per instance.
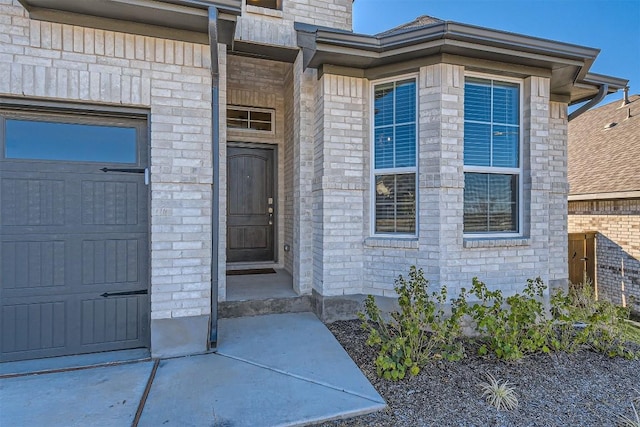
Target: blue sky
(613, 26)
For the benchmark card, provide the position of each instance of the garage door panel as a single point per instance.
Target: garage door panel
(33, 264)
(110, 203)
(43, 204)
(112, 320)
(110, 261)
(33, 326)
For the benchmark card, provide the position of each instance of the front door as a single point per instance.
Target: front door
(250, 204)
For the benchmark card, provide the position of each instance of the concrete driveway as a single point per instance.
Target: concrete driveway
(274, 370)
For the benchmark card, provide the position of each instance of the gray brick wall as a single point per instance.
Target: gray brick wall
(617, 245)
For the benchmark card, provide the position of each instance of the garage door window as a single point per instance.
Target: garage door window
(44, 140)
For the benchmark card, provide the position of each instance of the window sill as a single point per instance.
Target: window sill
(391, 242)
(501, 242)
(264, 11)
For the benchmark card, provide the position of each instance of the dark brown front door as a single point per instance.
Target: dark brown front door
(250, 204)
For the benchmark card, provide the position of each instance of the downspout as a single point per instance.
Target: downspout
(602, 92)
(215, 185)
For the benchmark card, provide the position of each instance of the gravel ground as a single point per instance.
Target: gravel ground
(580, 389)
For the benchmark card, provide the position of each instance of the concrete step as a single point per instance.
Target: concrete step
(233, 309)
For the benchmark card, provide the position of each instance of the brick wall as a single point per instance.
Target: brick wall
(276, 27)
(338, 184)
(342, 194)
(617, 244)
(41, 60)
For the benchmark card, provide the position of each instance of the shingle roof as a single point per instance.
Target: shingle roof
(419, 22)
(603, 157)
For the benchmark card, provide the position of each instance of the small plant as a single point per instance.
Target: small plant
(602, 325)
(420, 331)
(499, 395)
(625, 421)
(510, 327)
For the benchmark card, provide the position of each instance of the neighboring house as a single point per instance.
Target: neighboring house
(129, 145)
(604, 195)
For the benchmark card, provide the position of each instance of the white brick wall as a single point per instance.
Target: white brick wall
(339, 185)
(342, 194)
(276, 27)
(41, 60)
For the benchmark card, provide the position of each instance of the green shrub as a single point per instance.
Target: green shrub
(603, 325)
(419, 332)
(511, 327)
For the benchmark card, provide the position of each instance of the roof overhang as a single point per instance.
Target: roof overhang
(185, 20)
(605, 196)
(566, 64)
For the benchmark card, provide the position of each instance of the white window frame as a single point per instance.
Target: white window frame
(519, 171)
(392, 171)
(250, 110)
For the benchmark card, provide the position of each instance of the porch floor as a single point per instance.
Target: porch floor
(260, 286)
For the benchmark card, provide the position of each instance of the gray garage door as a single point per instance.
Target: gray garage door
(73, 234)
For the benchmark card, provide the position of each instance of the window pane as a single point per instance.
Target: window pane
(406, 101)
(383, 105)
(270, 4)
(505, 146)
(476, 189)
(261, 126)
(384, 148)
(395, 203)
(477, 100)
(506, 103)
(260, 116)
(405, 146)
(238, 124)
(27, 139)
(490, 203)
(477, 144)
(237, 114)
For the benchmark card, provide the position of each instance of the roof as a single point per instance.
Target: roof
(604, 151)
(427, 38)
(419, 22)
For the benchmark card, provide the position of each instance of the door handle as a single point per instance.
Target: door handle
(145, 171)
(118, 294)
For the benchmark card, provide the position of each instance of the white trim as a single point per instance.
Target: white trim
(392, 171)
(604, 196)
(519, 171)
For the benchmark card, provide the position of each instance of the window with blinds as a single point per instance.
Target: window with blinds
(492, 167)
(394, 157)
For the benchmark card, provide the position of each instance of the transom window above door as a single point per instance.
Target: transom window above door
(256, 119)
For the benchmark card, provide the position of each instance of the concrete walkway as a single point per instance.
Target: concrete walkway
(274, 370)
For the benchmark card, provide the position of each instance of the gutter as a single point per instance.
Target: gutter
(602, 92)
(215, 185)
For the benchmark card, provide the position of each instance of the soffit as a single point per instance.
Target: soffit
(185, 20)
